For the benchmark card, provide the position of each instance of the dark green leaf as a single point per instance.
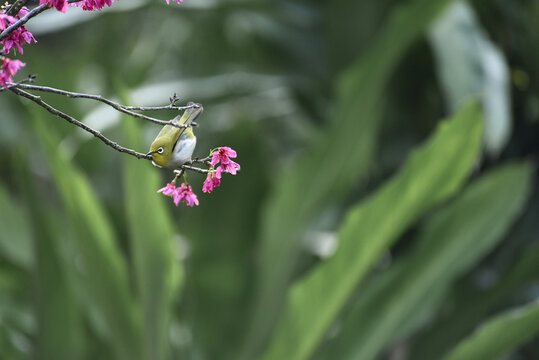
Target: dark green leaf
(451, 243)
(431, 174)
(500, 335)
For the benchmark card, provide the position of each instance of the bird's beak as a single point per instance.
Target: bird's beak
(150, 153)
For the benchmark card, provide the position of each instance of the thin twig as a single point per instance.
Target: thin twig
(157, 108)
(116, 106)
(29, 79)
(195, 169)
(205, 161)
(81, 125)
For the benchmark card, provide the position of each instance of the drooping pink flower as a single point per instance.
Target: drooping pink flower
(211, 182)
(178, 1)
(184, 192)
(6, 21)
(9, 69)
(60, 5)
(18, 37)
(229, 167)
(168, 190)
(91, 5)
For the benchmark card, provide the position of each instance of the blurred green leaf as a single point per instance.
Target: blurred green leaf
(431, 174)
(59, 332)
(59, 317)
(219, 287)
(470, 64)
(500, 335)
(15, 237)
(98, 258)
(155, 253)
(469, 304)
(344, 152)
(452, 242)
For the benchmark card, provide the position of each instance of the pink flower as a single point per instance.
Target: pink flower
(6, 21)
(212, 181)
(178, 1)
(229, 167)
(60, 5)
(18, 37)
(184, 192)
(90, 5)
(169, 189)
(23, 12)
(223, 155)
(9, 68)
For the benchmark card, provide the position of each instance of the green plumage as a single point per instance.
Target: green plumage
(169, 136)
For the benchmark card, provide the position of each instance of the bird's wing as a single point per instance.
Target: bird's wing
(171, 133)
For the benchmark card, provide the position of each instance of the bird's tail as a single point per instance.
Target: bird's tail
(190, 114)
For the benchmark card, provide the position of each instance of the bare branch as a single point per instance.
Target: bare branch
(29, 79)
(81, 125)
(205, 161)
(157, 108)
(101, 137)
(122, 108)
(195, 169)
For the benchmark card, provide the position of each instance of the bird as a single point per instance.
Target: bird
(174, 145)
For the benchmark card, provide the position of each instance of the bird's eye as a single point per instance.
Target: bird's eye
(160, 150)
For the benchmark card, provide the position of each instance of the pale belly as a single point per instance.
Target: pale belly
(182, 151)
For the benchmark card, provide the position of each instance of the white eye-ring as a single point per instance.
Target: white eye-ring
(160, 150)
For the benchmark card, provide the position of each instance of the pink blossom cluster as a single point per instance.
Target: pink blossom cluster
(184, 192)
(220, 155)
(60, 5)
(91, 5)
(213, 179)
(8, 69)
(86, 5)
(18, 37)
(14, 41)
(223, 155)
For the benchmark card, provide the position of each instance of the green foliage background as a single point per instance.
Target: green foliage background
(387, 205)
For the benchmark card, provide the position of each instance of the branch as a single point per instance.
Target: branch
(172, 106)
(29, 79)
(195, 169)
(81, 125)
(15, 88)
(205, 161)
(114, 105)
(190, 168)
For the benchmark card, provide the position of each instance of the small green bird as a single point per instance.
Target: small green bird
(174, 146)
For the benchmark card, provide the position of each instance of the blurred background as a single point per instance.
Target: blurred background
(329, 244)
